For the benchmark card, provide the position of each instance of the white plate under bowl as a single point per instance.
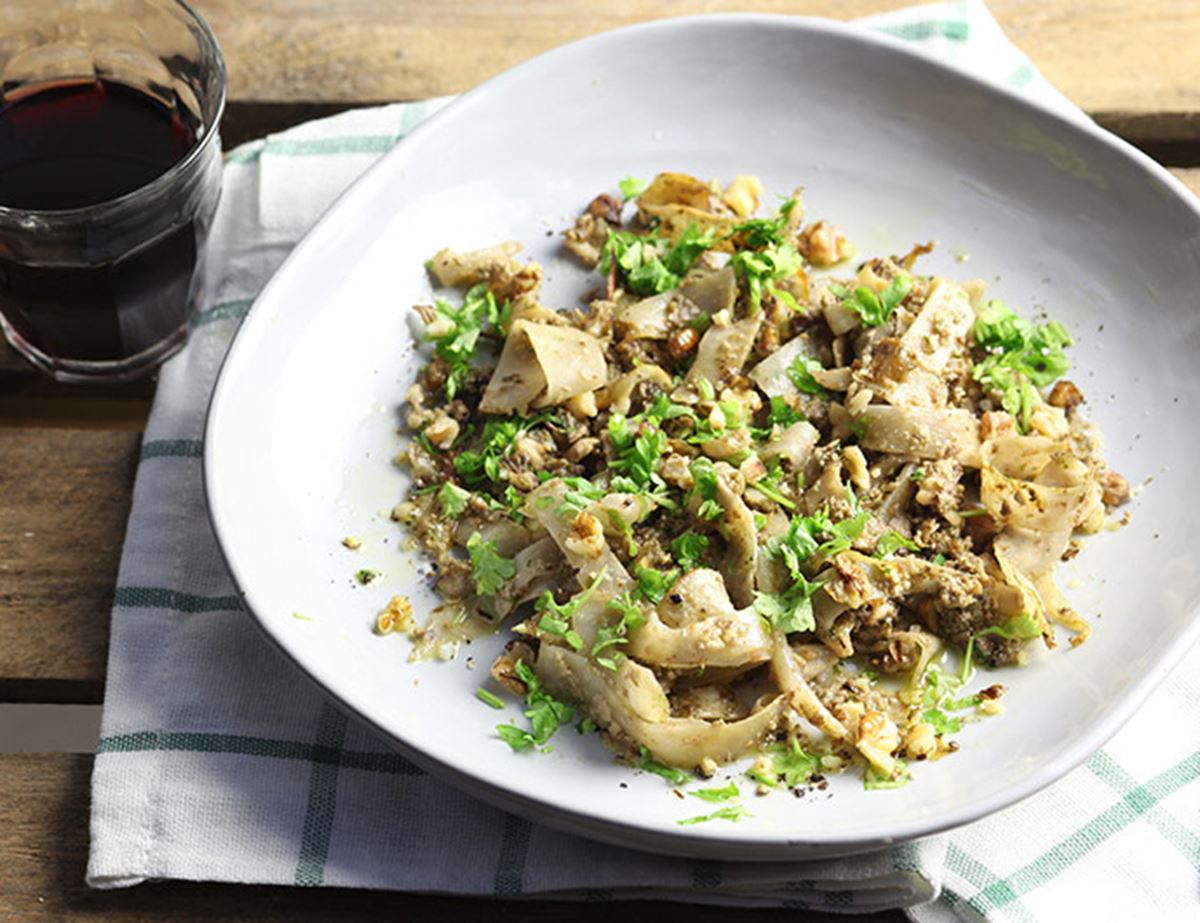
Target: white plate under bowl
(893, 147)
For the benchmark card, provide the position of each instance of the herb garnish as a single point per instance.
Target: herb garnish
(545, 713)
(457, 344)
(489, 569)
(670, 773)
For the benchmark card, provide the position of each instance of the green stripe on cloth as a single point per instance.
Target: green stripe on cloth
(322, 798)
(148, 597)
(954, 30)
(1021, 77)
(1110, 772)
(172, 448)
(308, 147)
(1104, 825)
(245, 745)
(222, 311)
(510, 864)
(980, 876)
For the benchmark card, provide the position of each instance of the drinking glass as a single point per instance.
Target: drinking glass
(104, 289)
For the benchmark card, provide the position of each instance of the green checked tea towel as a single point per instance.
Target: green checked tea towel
(218, 761)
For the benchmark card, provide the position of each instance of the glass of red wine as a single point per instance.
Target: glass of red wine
(110, 172)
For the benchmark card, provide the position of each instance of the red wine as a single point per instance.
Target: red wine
(119, 291)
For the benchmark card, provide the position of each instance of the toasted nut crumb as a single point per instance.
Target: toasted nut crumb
(606, 206)
(442, 431)
(398, 616)
(682, 342)
(582, 448)
(1116, 488)
(586, 537)
(352, 543)
(1065, 394)
(824, 245)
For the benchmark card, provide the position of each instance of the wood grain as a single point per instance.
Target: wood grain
(43, 854)
(1133, 65)
(64, 499)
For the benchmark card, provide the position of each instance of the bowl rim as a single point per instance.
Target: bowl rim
(630, 833)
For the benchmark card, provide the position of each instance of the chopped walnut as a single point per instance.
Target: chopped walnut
(1116, 488)
(586, 538)
(1065, 395)
(823, 245)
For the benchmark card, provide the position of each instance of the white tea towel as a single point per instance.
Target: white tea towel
(219, 762)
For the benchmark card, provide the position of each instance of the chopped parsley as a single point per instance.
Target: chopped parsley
(801, 374)
(789, 762)
(453, 500)
(482, 463)
(631, 187)
(1022, 357)
(366, 576)
(489, 569)
(586, 726)
(1022, 627)
(717, 794)
(758, 269)
(757, 233)
(456, 346)
(579, 495)
(670, 773)
(918, 474)
(778, 412)
(545, 713)
(636, 456)
(892, 541)
(488, 698)
(939, 697)
(874, 779)
(654, 585)
(556, 619)
(704, 479)
(608, 637)
(874, 310)
(687, 549)
(791, 610)
(733, 812)
(652, 264)
(768, 485)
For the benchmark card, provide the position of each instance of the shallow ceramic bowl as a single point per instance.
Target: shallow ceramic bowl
(896, 149)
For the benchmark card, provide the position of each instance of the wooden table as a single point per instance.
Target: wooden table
(67, 455)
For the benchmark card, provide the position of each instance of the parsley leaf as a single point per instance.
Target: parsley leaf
(545, 713)
(636, 456)
(757, 233)
(556, 619)
(653, 585)
(651, 264)
(733, 812)
(609, 636)
(1022, 357)
(631, 187)
(704, 480)
(789, 762)
(757, 269)
(482, 464)
(791, 610)
(687, 549)
(453, 500)
(801, 374)
(456, 345)
(489, 569)
(892, 541)
(1022, 627)
(670, 773)
(717, 794)
(873, 309)
(874, 779)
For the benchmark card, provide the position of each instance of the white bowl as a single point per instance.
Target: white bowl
(894, 148)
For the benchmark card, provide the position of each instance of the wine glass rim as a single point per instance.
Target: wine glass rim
(208, 44)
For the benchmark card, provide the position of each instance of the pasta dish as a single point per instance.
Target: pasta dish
(744, 499)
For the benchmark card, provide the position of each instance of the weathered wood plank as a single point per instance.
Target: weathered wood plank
(43, 852)
(64, 499)
(1132, 64)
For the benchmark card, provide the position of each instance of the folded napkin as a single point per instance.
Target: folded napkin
(218, 761)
